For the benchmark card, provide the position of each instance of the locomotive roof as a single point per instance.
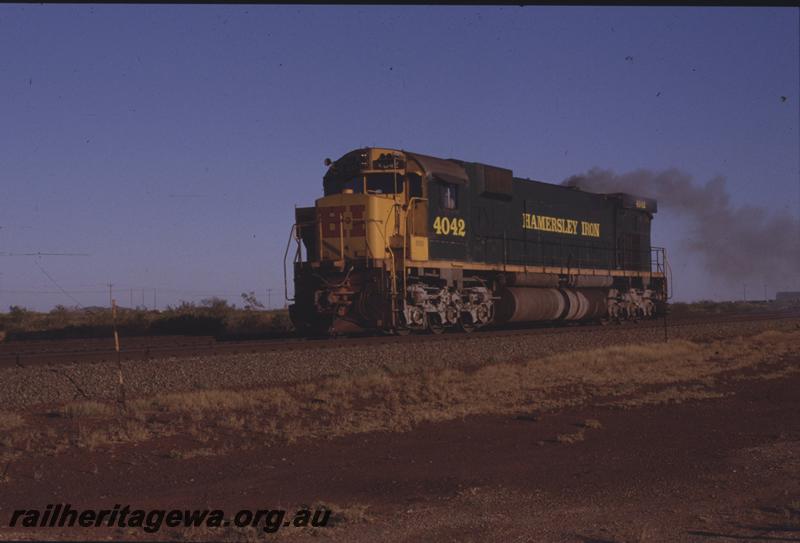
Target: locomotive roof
(452, 170)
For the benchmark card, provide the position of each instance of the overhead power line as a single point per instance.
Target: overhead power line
(28, 291)
(44, 254)
(67, 294)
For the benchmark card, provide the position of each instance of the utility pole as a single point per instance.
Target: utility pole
(110, 295)
(744, 292)
(269, 298)
(155, 307)
(131, 298)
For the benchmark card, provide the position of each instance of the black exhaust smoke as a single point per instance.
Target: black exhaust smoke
(736, 244)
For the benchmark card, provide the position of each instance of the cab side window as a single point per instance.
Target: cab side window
(448, 196)
(414, 186)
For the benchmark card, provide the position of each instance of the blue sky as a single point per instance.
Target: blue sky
(171, 143)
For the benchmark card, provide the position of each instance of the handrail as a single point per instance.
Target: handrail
(667, 276)
(393, 273)
(292, 234)
(341, 238)
(413, 200)
(319, 243)
(409, 234)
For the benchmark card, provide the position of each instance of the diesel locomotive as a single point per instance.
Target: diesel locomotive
(403, 242)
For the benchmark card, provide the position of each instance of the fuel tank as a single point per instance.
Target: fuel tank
(520, 304)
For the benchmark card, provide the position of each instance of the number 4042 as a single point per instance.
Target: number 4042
(449, 226)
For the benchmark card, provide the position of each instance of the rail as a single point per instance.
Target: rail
(144, 352)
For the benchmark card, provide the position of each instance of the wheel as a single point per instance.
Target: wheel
(402, 331)
(435, 324)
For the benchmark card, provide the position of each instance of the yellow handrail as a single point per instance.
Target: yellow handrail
(341, 238)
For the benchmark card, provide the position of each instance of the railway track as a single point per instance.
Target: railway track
(23, 353)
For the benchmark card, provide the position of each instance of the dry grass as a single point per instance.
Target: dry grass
(212, 400)
(128, 431)
(592, 423)
(623, 375)
(202, 452)
(87, 409)
(770, 374)
(672, 394)
(574, 437)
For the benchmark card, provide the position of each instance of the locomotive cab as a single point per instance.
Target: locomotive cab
(372, 205)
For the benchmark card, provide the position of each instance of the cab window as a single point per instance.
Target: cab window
(376, 183)
(355, 184)
(337, 186)
(448, 195)
(414, 186)
(384, 183)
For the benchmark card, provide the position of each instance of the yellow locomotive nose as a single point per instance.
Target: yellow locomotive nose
(357, 226)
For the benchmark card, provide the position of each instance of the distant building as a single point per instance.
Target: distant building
(788, 297)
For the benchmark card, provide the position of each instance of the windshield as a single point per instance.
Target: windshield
(377, 183)
(356, 184)
(384, 183)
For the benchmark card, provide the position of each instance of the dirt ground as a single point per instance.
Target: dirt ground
(722, 468)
